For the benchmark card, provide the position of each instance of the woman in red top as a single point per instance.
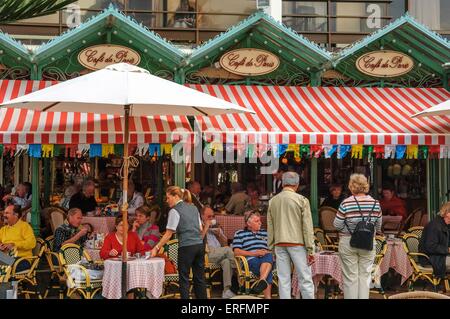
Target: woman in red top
(112, 246)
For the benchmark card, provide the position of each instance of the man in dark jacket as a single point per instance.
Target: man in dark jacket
(435, 243)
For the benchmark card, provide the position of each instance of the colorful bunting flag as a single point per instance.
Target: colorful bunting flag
(304, 150)
(166, 149)
(20, 149)
(343, 151)
(423, 152)
(329, 150)
(400, 151)
(282, 148)
(34, 150)
(95, 150)
(389, 151)
(294, 148)
(316, 150)
(412, 152)
(118, 149)
(48, 150)
(444, 151)
(107, 149)
(154, 149)
(357, 151)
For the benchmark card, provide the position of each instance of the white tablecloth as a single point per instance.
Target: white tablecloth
(141, 273)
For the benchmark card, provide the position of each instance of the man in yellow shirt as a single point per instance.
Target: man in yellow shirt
(17, 234)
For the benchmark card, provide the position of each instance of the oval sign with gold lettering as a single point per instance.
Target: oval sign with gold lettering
(384, 63)
(249, 62)
(99, 56)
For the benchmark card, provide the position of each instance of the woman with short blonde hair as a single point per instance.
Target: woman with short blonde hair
(356, 263)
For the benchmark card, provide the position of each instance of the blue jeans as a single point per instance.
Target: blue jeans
(255, 264)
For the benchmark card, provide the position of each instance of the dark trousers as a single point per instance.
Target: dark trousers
(192, 257)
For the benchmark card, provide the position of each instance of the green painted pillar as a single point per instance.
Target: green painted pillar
(432, 187)
(35, 207)
(47, 184)
(179, 168)
(36, 74)
(375, 173)
(314, 199)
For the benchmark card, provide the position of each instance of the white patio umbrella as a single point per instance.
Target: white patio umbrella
(124, 89)
(440, 109)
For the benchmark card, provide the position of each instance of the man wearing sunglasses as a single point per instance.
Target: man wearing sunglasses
(251, 243)
(291, 235)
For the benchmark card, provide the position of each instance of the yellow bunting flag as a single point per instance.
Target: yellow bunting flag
(216, 146)
(357, 151)
(294, 148)
(47, 150)
(166, 149)
(107, 149)
(412, 151)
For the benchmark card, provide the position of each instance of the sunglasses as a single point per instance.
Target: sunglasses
(247, 217)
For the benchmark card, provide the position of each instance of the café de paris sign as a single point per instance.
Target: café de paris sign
(384, 63)
(99, 56)
(249, 62)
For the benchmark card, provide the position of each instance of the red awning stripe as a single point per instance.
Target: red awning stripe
(330, 115)
(20, 126)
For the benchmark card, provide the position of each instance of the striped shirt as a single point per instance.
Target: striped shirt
(250, 241)
(349, 215)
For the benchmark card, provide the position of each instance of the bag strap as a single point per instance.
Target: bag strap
(371, 211)
(360, 212)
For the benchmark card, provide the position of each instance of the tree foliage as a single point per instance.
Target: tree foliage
(13, 10)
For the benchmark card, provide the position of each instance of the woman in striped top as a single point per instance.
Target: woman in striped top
(356, 263)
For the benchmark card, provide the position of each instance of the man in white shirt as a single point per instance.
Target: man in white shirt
(135, 199)
(277, 185)
(218, 250)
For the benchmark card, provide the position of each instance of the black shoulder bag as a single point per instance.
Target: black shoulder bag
(362, 236)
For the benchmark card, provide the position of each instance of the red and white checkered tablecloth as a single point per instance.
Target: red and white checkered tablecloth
(94, 253)
(397, 259)
(324, 265)
(141, 273)
(103, 225)
(232, 223)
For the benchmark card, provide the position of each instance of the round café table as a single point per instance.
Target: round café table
(326, 264)
(141, 273)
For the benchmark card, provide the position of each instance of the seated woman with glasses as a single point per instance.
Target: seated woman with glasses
(251, 243)
(112, 247)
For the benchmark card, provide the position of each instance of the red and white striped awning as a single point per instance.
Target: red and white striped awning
(20, 126)
(329, 115)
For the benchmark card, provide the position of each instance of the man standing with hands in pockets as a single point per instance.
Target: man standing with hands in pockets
(291, 236)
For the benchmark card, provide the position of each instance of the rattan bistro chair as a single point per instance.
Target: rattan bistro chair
(27, 276)
(380, 251)
(246, 278)
(419, 295)
(70, 255)
(326, 219)
(411, 246)
(326, 243)
(212, 270)
(416, 230)
(170, 249)
(57, 277)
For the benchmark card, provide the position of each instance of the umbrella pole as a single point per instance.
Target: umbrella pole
(125, 201)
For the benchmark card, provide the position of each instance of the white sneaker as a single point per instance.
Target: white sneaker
(227, 294)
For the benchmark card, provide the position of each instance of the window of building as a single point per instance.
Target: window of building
(433, 13)
(337, 22)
